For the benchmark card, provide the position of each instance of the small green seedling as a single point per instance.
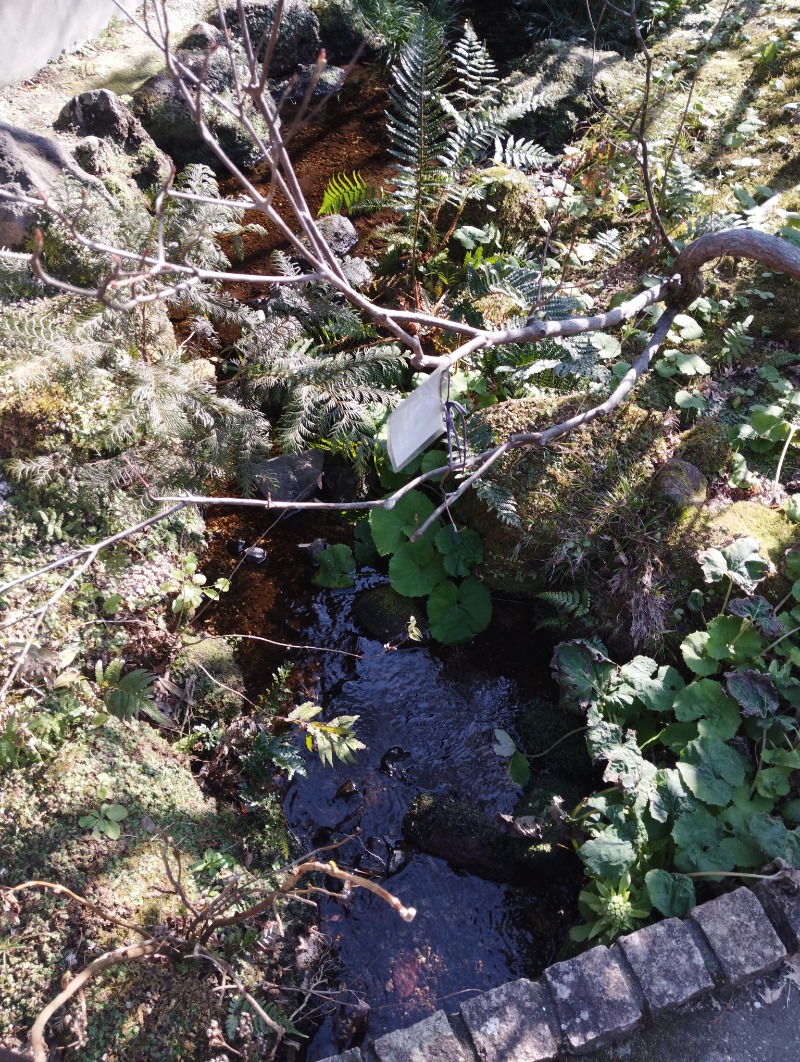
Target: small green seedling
(104, 820)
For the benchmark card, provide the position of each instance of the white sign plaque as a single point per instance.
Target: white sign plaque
(418, 420)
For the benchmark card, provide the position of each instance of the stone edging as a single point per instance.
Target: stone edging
(605, 993)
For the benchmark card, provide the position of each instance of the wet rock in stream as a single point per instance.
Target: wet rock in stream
(469, 840)
(384, 614)
(292, 477)
(391, 760)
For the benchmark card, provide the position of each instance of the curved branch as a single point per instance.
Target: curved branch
(772, 251)
(111, 958)
(78, 899)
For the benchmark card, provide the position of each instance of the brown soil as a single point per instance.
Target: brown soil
(349, 134)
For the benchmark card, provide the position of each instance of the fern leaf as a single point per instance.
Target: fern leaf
(500, 500)
(475, 70)
(417, 124)
(129, 695)
(352, 194)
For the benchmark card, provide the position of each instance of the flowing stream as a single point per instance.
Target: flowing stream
(426, 715)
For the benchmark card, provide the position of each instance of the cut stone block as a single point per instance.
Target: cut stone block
(353, 1055)
(595, 1002)
(431, 1040)
(781, 900)
(740, 935)
(511, 1021)
(667, 964)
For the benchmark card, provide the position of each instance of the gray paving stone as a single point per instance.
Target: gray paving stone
(781, 900)
(431, 1040)
(740, 935)
(667, 964)
(511, 1022)
(595, 1002)
(353, 1055)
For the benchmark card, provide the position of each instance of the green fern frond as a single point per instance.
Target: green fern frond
(499, 500)
(418, 122)
(16, 278)
(574, 602)
(475, 70)
(520, 154)
(328, 395)
(352, 194)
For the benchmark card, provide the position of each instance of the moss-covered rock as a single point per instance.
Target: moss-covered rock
(212, 679)
(560, 74)
(469, 840)
(569, 495)
(340, 28)
(706, 445)
(384, 614)
(115, 146)
(771, 528)
(161, 108)
(297, 41)
(679, 485)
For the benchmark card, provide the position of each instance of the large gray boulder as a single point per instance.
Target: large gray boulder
(163, 111)
(294, 89)
(341, 29)
(458, 832)
(30, 165)
(560, 74)
(115, 145)
(292, 477)
(298, 38)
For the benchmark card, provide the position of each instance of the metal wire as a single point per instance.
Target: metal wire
(455, 419)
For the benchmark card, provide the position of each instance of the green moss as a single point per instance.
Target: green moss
(570, 492)
(771, 528)
(208, 667)
(136, 1012)
(706, 445)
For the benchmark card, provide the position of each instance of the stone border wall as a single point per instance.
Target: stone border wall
(607, 993)
(32, 32)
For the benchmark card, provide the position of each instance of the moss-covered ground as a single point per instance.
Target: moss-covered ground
(144, 1010)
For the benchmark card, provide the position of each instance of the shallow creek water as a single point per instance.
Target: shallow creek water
(431, 709)
(435, 708)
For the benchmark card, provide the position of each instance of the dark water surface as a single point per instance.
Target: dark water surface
(435, 708)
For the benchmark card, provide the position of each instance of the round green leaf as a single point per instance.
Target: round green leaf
(519, 770)
(457, 613)
(608, 856)
(460, 549)
(336, 567)
(582, 672)
(392, 527)
(416, 568)
(671, 894)
(772, 837)
(705, 699)
(695, 652)
(115, 812)
(710, 769)
(433, 459)
(754, 691)
(760, 612)
(110, 828)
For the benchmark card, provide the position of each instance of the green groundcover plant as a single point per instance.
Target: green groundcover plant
(702, 764)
